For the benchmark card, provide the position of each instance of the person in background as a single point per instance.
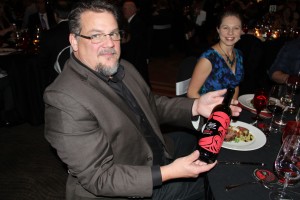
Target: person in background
(6, 100)
(55, 40)
(6, 27)
(43, 18)
(104, 121)
(286, 67)
(30, 8)
(134, 47)
(221, 66)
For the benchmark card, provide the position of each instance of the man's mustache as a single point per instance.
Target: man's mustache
(107, 51)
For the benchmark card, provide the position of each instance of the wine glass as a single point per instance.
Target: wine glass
(274, 106)
(297, 118)
(259, 103)
(287, 166)
(292, 85)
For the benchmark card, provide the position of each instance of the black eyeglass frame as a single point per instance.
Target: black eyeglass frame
(121, 33)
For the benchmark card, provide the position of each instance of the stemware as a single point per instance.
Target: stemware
(274, 106)
(297, 118)
(259, 103)
(287, 166)
(286, 103)
(289, 98)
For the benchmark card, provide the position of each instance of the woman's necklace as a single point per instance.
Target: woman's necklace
(231, 62)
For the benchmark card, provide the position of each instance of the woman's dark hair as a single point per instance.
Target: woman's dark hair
(99, 6)
(226, 13)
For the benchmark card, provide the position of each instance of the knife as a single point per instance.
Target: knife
(241, 163)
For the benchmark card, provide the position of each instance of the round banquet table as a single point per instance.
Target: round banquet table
(27, 81)
(223, 175)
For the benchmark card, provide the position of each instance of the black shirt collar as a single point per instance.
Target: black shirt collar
(118, 76)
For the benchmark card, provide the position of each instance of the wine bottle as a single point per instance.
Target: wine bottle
(215, 129)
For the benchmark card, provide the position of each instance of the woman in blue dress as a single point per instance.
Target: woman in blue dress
(221, 66)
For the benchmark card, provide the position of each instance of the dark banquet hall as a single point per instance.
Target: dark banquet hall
(165, 46)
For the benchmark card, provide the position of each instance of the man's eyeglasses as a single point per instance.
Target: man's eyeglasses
(99, 38)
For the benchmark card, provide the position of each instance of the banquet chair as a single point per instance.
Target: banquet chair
(61, 58)
(184, 75)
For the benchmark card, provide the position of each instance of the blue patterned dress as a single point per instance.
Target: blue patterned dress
(221, 75)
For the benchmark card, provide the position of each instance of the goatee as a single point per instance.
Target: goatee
(107, 70)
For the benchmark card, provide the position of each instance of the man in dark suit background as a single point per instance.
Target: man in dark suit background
(54, 40)
(43, 18)
(134, 46)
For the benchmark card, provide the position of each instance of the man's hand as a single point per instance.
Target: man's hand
(185, 167)
(204, 105)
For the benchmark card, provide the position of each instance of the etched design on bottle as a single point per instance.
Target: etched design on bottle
(215, 131)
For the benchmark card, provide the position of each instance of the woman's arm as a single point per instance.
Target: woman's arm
(280, 77)
(7, 30)
(200, 74)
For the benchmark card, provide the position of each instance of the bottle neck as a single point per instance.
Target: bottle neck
(228, 96)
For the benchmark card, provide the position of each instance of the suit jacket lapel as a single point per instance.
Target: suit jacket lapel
(104, 90)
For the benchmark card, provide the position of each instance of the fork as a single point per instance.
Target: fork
(229, 187)
(264, 184)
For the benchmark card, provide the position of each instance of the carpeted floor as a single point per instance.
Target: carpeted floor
(29, 167)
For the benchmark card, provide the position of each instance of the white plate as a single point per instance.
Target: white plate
(258, 142)
(245, 100)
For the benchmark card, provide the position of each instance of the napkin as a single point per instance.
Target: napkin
(265, 115)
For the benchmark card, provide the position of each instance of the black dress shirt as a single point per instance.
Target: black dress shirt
(116, 83)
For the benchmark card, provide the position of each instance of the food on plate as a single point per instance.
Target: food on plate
(238, 134)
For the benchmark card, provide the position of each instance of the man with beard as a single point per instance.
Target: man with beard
(104, 122)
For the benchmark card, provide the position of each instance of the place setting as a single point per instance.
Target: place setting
(283, 180)
(278, 105)
(281, 176)
(246, 102)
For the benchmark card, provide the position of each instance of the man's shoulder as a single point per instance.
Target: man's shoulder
(33, 16)
(293, 44)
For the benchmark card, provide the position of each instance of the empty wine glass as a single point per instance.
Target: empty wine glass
(285, 101)
(274, 105)
(287, 166)
(291, 87)
(297, 118)
(259, 103)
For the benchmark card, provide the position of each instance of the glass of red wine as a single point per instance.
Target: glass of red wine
(287, 166)
(260, 101)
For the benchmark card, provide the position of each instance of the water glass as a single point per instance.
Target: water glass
(287, 166)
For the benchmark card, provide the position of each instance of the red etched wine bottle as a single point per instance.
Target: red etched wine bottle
(215, 129)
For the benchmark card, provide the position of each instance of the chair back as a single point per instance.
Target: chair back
(184, 75)
(61, 58)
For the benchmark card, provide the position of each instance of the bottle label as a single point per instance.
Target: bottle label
(215, 131)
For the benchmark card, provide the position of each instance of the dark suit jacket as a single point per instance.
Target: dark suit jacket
(97, 135)
(51, 43)
(35, 22)
(135, 50)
